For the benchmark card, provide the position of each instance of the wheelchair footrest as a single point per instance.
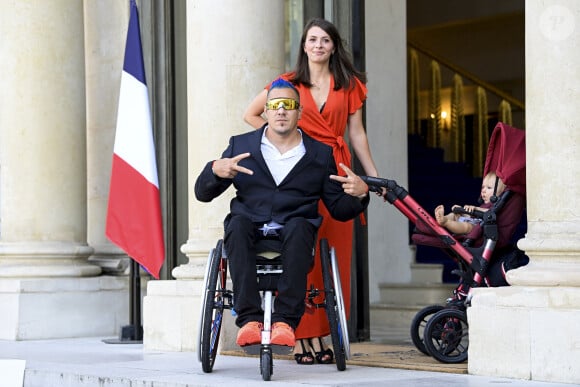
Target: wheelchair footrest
(276, 349)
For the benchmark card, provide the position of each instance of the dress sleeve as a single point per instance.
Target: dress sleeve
(356, 96)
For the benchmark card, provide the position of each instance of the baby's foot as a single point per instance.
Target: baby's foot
(440, 215)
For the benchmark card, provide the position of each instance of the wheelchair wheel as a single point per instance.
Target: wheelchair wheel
(418, 326)
(343, 326)
(202, 304)
(446, 336)
(266, 364)
(213, 307)
(334, 306)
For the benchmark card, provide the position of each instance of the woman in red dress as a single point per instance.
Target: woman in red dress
(332, 93)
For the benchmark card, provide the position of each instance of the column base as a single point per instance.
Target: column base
(554, 251)
(55, 308)
(111, 259)
(46, 259)
(525, 333)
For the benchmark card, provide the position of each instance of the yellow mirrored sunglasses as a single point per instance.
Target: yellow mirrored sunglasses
(285, 103)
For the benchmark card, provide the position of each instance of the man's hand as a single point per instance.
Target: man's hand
(352, 184)
(229, 168)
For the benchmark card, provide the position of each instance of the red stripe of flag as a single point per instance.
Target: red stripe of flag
(134, 217)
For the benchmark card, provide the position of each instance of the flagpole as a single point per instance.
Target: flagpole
(135, 300)
(134, 219)
(132, 333)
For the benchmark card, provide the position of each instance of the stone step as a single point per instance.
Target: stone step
(415, 294)
(391, 316)
(426, 272)
(400, 302)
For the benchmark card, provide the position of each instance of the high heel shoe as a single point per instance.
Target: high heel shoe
(305, 357)
(324, 356)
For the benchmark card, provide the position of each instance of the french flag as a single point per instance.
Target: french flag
(134, 220)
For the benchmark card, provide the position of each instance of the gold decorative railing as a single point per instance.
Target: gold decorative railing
(450, 130)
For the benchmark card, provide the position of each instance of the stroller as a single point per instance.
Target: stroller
(483, 256)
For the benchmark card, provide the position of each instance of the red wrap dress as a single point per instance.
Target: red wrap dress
(329, 127)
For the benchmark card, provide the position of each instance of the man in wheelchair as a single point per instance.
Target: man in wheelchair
(280, 174)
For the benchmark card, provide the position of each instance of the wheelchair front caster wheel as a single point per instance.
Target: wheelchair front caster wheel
(266, 363)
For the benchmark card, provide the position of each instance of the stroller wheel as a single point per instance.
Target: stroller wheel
(418, 326)
(446, 336)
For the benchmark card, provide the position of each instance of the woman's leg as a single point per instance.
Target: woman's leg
(323, 354)
(303, 352)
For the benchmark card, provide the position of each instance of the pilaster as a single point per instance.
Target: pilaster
(233, 50)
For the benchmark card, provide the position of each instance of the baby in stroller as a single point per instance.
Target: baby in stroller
(491, 187)
(468, 224)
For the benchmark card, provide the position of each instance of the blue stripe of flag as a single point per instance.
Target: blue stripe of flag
(133, 53)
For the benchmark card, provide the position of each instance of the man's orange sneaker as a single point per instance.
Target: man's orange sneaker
(250, 334)
(282, 334)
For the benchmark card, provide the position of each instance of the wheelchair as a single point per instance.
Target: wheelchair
(217, 298)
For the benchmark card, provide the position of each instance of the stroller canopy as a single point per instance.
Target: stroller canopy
(506, 155)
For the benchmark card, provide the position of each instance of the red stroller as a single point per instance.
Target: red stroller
(484, 255)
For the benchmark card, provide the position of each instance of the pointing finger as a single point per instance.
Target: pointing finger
(340, 179)
(245, 170)
(346, 169)
(241, 156)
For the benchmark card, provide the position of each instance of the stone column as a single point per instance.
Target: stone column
(43, 249)
(390, 256)
(530, 330)
(233, 50)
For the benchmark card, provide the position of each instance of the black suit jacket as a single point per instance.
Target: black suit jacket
(260, 199)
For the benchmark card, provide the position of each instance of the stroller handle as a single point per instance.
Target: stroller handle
(376, 183)
(475, 213)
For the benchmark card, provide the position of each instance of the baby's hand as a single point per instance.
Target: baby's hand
(469, 208)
